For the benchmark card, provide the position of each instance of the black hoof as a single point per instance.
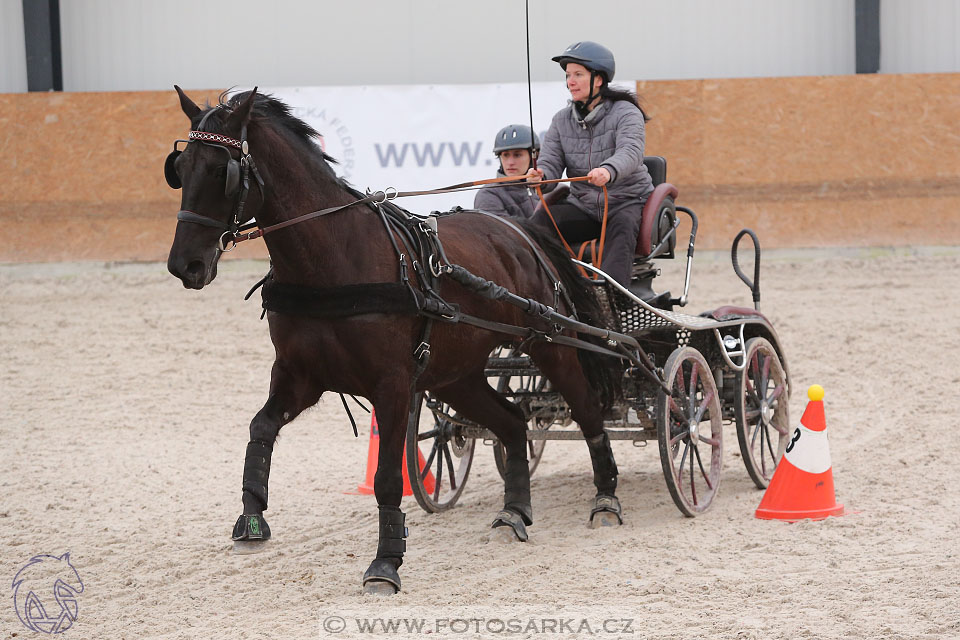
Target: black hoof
(513, 520)
(251, 528)
(606, 512)
(381, 575)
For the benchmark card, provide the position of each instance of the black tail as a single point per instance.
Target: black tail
(604, 373)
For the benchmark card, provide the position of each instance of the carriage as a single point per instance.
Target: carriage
(722, 366)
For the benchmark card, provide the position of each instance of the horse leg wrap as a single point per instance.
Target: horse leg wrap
(516, 491)
(604, 466)
(508, 518)
(256, 470)
(390, 548)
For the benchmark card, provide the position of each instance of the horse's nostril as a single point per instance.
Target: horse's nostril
(194, 269)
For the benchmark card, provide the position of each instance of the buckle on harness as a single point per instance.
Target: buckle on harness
(436, 268)
(422, 351)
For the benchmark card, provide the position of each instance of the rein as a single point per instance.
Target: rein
(385, 195)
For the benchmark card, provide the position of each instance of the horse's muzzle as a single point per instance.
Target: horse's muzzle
(194, 274)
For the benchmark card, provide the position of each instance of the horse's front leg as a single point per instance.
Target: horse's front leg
(251, 530)
(393, 409)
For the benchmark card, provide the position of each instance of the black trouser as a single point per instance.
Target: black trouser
(620, 245)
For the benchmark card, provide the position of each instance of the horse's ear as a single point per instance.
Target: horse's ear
(189, 107)
(240, 116)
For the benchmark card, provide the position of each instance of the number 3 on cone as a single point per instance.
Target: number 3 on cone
(796, 436)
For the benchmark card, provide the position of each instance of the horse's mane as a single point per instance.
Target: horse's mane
(266, 108)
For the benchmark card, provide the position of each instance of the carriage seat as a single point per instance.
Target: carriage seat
(659, 212)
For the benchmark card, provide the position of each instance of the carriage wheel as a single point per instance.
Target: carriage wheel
(524, 384)
(438, 456)
(689, 429)
(762, 411)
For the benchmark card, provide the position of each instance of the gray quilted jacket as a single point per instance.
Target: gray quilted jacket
(611, 136)
(515, 200)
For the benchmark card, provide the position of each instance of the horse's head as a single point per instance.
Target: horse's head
(213, 168)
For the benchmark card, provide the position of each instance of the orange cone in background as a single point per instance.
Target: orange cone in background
(802, 485)
(373, 455)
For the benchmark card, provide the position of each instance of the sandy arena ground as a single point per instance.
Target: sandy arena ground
(125, 404)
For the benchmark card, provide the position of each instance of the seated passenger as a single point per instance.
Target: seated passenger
(515, 150)
(600, 134)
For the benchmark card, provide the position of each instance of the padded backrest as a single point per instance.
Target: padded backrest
(657, 166)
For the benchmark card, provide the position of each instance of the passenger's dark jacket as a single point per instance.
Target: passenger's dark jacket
(515, 200)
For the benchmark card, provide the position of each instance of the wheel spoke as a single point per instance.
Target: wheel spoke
(683, 459)
(766, 372)
(763, 461)
(426, 435)
(773, 456)
(753, 438)
(693, 480)
(676, 409)
(426, 465)
(694, 377)
(713, 442)
(453, 476)
(677, 438)
(702, 409)
(439, 478)
(750, 414)
(706, 478)
(778, 391)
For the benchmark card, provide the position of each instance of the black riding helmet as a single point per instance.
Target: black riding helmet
(596, 58)
(593, 56)
(515, 136)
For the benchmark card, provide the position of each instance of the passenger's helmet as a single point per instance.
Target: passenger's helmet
(593, 56)
(515, 136)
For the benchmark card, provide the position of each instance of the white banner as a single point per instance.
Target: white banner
(419, 137)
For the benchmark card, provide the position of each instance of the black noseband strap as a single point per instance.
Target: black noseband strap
(189, 216)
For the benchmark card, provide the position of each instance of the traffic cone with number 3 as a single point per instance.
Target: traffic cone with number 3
(802, 485)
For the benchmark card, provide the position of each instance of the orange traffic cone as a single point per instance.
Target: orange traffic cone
(373, 455)
(802, 485)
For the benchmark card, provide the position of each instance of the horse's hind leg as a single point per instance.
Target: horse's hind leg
(283, 405)
(474, 399)
(562, 367)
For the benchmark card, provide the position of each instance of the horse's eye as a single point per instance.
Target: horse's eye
(220, 171)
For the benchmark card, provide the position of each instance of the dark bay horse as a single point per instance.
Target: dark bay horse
(373, 354)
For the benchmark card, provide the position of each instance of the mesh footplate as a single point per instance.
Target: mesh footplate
(634, 318)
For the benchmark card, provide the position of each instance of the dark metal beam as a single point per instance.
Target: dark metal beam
(868, 36)
(41, 31)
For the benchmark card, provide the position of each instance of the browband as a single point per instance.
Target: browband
(217, 138)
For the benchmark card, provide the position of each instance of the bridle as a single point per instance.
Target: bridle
(236, 182)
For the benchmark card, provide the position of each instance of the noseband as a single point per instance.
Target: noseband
(237, 181)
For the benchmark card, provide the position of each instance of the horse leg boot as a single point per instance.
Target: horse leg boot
(251, 530)
(517, 510)
(606, 510)
(474, 398)
(381, 577)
